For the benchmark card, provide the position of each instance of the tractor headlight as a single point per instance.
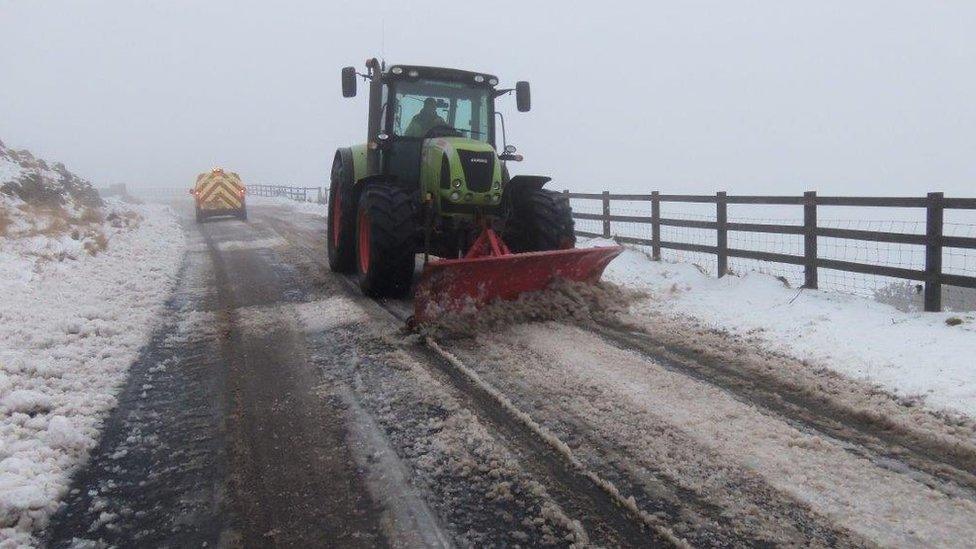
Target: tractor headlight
(468, 197)
(456, 183)
(496, 197)
(455, 196)
(496, 185)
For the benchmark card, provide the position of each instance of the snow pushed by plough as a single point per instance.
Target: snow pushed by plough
(490, 273)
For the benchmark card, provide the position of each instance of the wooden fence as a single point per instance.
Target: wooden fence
(302, 194)
(933, 240)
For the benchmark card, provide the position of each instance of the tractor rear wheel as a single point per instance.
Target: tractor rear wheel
(385, 231)
(540, 220)
(341, 231)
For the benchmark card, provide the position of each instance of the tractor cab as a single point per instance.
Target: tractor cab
(435, 128)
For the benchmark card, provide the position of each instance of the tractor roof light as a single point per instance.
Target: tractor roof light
(397, 70)
(478, 78)
(493, 81)
(413, 74)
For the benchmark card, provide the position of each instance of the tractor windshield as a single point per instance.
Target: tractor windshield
(424, 104)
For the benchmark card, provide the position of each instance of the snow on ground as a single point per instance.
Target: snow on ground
(80, 296)
(909, 354)
(711, 440)
(303, 207)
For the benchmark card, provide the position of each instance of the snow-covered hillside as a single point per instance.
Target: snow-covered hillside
(919, 356)
(82, 281)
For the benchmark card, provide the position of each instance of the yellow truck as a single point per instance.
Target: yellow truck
(219, 193)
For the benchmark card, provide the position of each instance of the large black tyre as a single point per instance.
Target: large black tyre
(342, 218)
(539, 220)
(386, 224)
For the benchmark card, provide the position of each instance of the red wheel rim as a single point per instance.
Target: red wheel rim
(336, 218)
(363, 250)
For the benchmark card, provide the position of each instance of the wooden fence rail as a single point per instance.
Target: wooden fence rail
(934, 240)
(302, 194)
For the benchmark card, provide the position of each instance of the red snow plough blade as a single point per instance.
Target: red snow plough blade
(490, 272)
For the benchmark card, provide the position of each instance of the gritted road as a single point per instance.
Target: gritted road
(275, 406)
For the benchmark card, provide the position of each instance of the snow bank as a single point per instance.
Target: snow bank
(311, 208)
(80, 292)
(42, 183)
(909, 354)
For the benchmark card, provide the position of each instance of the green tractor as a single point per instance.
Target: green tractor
(430, 180)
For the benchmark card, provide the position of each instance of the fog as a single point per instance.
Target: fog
(748, 97)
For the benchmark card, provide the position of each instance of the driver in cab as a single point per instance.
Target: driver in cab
(425, 120)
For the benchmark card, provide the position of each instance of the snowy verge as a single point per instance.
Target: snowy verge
(72, 320)
(916, 355)
(311, 208)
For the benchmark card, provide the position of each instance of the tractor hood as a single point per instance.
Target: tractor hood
(464, 174)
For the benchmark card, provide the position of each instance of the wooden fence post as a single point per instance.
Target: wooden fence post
(722, 240)
(810, 240)
(656, 225)
(933, 253)
(606, 214)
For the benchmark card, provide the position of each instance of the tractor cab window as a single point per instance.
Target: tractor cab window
(384, 99)
(425, 104)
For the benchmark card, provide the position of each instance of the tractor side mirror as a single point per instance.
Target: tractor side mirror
(523, 98)
(349, 81)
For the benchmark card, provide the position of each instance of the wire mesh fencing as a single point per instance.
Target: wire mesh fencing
(882, 248)
(301, 194)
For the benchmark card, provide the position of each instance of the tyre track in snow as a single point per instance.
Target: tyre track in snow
(938, 459)
(609, 518)
(741, 457)
(704, 498)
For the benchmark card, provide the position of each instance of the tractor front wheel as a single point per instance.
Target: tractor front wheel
(341, 231)
(540, 220)
(385, 234)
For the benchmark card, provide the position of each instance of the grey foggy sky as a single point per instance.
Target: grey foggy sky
(749, 97)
